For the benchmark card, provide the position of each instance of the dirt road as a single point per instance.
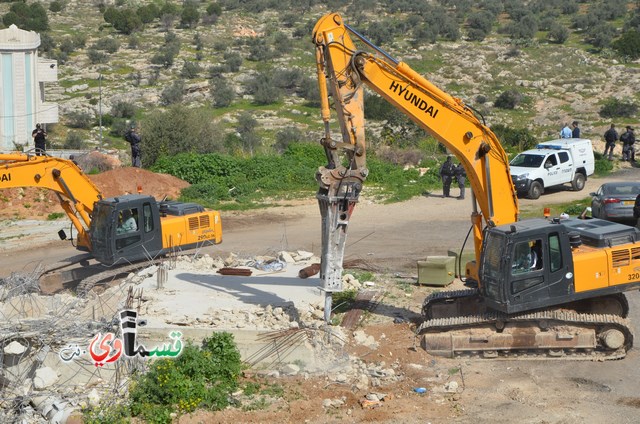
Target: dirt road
(391, 238)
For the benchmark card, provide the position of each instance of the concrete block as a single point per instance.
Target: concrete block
(436, 271)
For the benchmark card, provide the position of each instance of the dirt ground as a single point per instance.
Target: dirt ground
(389, 239)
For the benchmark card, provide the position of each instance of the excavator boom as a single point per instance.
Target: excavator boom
(343, 70)
(75, 190)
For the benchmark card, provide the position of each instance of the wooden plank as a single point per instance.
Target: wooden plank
(364, 302)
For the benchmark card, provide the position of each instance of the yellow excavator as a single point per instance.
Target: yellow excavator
(568, 302)
(118, 230)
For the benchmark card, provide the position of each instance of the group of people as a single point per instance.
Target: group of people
(132, 136)
(628, 140)
(449, 171)
(573, 132)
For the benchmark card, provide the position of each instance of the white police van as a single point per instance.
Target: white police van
(553, 163)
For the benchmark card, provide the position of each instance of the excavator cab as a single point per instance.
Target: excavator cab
(538, 263)
(125, 229)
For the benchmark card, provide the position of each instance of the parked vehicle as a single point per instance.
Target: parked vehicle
(615, 201)
(553, 163)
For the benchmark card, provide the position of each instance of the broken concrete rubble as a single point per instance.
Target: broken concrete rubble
(195, 299)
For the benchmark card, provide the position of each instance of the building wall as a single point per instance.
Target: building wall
(22, 77)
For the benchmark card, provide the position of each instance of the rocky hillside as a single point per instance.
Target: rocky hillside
(558, 82)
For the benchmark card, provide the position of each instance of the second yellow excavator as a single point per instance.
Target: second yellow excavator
(548, 288)
(118, 230)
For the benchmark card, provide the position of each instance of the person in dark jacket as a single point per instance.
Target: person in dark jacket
(134, 139)
(610, 138)
(628, 140)
(461, 178)
(40, 138)
(575, 131)
(446, 174)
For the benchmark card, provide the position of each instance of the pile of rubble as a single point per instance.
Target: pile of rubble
(39, 387)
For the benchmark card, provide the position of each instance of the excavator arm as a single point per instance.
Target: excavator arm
(75, 190)
(343, 71)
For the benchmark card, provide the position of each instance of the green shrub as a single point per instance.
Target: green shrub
(517, 138)
(96, 56)
(201, 377)
(628, 44)
(57, 6)
(190, 70)
(508, 99)
(123, 109)
(558, 33)
(74, 141)
(618, 108)
(148, 13)
(108, 44)
(180, 130)
(79, 120)
(173, 93)
(190, 16)
(28, 17)
(221, 92)
(603, 166)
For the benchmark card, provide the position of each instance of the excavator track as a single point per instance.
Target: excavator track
(453, 302)
(550, 334)
(87, 284)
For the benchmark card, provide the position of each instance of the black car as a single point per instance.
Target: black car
(615, 201)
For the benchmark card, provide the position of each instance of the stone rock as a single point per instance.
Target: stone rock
(326, 403)
(291, 369)
(340, 378)
(286, 257)
(360, 337)
(93, 397)
(14, 348)
(78, 87)
(304, 255)
(451, 387)
(362, 383)
(148, 271)
(45, 377)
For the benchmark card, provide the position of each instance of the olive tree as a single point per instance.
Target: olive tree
(177, 130)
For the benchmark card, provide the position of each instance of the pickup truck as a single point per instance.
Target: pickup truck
(553, 163)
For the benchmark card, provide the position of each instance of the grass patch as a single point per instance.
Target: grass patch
(343, 301)
(54, 216)
(573, 209)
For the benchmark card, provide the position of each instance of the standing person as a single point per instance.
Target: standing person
(461, 178)
(446, 174)
(134, 139)
(565, 132)
(40, 138)
(628, 139)
(610, 138)
(575, 132)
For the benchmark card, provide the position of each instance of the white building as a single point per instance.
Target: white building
(22, 83)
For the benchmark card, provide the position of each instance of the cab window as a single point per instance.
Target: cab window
(555, 254)
(527, 256)
(148, 218)
(564, 157)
